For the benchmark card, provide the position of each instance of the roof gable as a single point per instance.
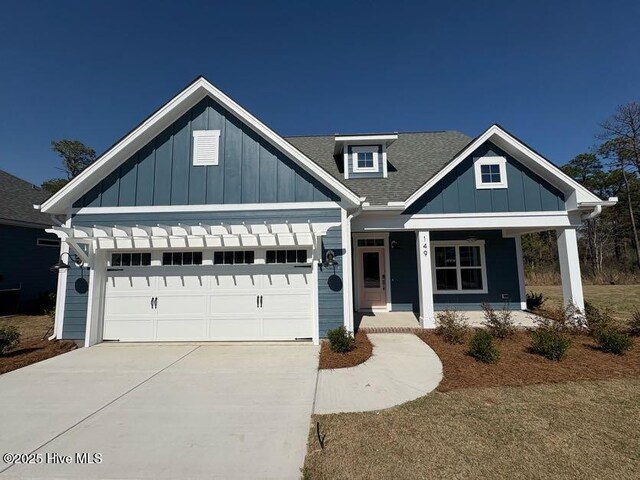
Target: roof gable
(575, 194)
(17, 200)
(162, 119)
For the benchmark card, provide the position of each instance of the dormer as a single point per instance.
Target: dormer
(364, 156)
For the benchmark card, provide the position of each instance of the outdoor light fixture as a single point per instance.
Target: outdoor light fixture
(331, 259)
(62, 266)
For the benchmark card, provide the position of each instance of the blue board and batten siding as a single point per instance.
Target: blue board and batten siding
(250, 170)
(330, 295)
(502, 272)
(457, 193)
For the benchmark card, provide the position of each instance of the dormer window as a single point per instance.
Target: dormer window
(490, 172)
(365, 159)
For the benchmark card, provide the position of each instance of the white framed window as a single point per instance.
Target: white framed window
(365, 159)
(234, 257)
(48, 242)
(459, 267)
(131, 259)
(181, 258)
(206, 145)
(490, 172)
(286, 256)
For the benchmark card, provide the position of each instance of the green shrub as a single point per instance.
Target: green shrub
(535, 300)
(551, 345)
(634, 322)
(500, 323)
(451, 326)
(340, 340)
(9, 338)
(481, 347)
(597, 319)
(613, 341)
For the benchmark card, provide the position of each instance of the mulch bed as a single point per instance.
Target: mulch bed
(517, 366)
(360, 353)
(31, 351)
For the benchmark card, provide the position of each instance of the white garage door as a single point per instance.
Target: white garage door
(257, 302)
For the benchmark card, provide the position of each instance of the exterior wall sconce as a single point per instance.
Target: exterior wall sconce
(394, 245)
(330, 259)
(63, 266)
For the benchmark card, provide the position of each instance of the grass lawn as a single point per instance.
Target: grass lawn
(33, 346)
(585, 429)
(621, 299)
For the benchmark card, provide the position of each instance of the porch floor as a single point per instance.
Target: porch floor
(408, 320)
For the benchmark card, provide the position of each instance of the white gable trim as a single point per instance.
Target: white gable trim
(152, 126)
(575, 193)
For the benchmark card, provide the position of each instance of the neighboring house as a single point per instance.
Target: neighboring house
(26, 250)
(204, 224)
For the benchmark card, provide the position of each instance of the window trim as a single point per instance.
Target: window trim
(478, 162)
(366, 149)
(39, 242)
(458, 268)
(110, 263)
(214, 134)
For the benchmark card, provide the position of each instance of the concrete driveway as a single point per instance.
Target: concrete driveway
(161, 411)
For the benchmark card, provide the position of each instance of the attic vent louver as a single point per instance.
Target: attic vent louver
(206, 147)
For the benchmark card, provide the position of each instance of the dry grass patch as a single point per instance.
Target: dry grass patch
(360, 353)
(517, 366)
(621, 299)
(569, 430)
(34, 346)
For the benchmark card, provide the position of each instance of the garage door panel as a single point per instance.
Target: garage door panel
(128, 305)
(234, 281)
(181, 329)
(238, 328)
(227, 303)
(294, 302)
(290, 328)
(130, 328)
(174, 304)
(182, 282)
(127, 283)
(293, 279)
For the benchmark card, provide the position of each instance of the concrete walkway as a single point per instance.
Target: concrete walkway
(162, 411)
(402, 368)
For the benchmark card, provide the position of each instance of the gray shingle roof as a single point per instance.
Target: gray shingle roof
(412, 160)
(17, 198)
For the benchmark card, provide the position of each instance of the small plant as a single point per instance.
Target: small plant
(564, 320)
(551, 345)
(340, 340)
(535, 300)
(613, 341)
(9, 338)
(500, 323)
(451, 326)
(634, 322)
(481, 347)
(597, 319)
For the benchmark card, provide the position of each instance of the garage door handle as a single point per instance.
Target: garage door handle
(152, 303)
(260, 301)
(257, 301)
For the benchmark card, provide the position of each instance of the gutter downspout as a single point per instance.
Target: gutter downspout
(59, 223)
(597, 210)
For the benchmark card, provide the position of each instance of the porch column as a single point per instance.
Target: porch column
(425, 283)
(570, 267)
(520, 261)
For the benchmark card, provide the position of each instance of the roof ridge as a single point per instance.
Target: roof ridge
(32, 185)
(374, 133)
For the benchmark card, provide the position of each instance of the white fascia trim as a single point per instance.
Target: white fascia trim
(541, 162)
(236, 207)
(151, 127)
(478, 162)
(367, 138)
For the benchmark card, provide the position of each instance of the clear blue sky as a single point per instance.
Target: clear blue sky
(548, 71)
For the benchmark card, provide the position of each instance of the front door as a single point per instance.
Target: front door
(372, 278)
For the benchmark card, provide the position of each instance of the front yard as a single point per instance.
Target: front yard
(587, 429)
(621, 299)
(34, 346)
(522, 417)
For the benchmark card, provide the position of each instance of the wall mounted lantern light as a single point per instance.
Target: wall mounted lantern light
(62, 266)
(330, 259)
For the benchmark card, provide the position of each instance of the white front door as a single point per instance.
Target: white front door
(254, 302)
(372, 289)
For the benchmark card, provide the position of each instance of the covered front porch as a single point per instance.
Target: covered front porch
(403, 278)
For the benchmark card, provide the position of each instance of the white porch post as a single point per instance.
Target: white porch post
(570, 267)
(425, 283)
(520, 261)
